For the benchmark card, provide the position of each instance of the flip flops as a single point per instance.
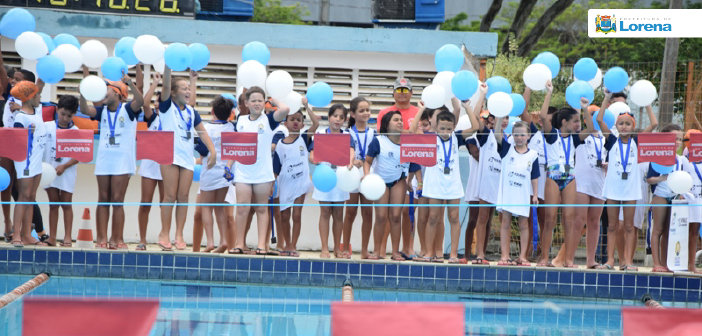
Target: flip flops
(17, 243)
(630, 268)
(506, 262)
(422, 259)
(661, 269)
(260, 251)
(457, 261)
(236, 250)
(406, 257)
(8, 236)
(437, 260)
(141, 247)
(480, 261)
(273, 252)
(604, 267)
(66, 244)
(165, 246)
(179, 245)
(548, 264)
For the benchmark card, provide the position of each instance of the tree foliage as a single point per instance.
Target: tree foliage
(272, 11)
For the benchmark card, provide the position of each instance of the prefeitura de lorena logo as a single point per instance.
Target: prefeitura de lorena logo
(605, 24)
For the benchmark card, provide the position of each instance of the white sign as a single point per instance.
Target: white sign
(608, 23)
(678, 236)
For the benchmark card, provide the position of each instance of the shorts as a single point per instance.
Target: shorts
(393, 183)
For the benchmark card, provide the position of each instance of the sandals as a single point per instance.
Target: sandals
(457, 261)
(523, 263)
(141, 247)
(480, 261)
(260, 251)
(325, 255)
(179, 245)
(17, 243)
(399, 258)
(406, 257)
(630, 268)
(422, 259)
(43, 238)
(236, 250)
(661, 269)
(604, 267)
(66, 244)
(8, 236)
(293, 254)
(506, 262)
(371, 257)
(273, 252)
(437, 260)
(165, 246)
(548, 264)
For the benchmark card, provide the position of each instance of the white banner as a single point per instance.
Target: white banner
(678, 236)
(644, 23)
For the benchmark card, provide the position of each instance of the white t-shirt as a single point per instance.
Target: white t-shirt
(518, 170)
(213, 179)
(182, 123)
(119, 157)
(695, 212)
(67, 181)
(615, 187)
(362, 139)
(291, 163)
(537, 144)
(387, 159)
(149, 168)
(336, 194)
(262, 170)
(590, 177)
(438, 184)
(490, 167)
(662, 188)
(31, 166)
(473, 185)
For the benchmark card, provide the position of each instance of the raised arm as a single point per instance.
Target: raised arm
(498, 130)
(526, 117)
(589, 128)
(652, 119)
(456, 104)
(545, 120)
(166, 87)
(600, 115)
(479, 105)
(139, 78)
(87, 109)
(148, 97)
(138, 97)
(313, 117)
(4, 80)
(193, 88)
(415, 122)
(282, 111)
(474, 124)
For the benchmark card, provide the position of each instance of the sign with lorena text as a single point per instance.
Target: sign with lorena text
(418, 148)
(156, 146)
(657, 147)
(695, 147)
(241, 147)
(75, 144)
(14, 143)
(332, 148)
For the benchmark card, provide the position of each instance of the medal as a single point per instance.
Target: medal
(447, 155)
(566, 150)
(598, 150)
(625, 176)
(112, 123)
(599, 163)
(187, 135)
(447, 170)
(188, 124)
(625, 159)
(567, 167)
(26, 172)
(112, 140)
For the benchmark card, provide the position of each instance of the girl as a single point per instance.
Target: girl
(116, 157)
(622, 183)
(337, 117)
(213, 186)
(254, 183)
(61, 189)
(538, 143)
(519, 179)
(291, 164)
(561, 138)
(662, 194)
(182, 119)
(695, 170)
(29, 170)
(386, 149)
(360, 110)
(443, 183)
(425, 117)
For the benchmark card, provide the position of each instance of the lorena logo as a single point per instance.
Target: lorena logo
(415, 153)
(73, 148)
(605, 24)
(652, 152)
(234, 152)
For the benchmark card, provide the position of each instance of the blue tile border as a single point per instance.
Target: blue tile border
(579, 283)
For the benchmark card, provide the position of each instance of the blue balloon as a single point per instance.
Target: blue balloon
(4, 179)
(577, 90)
(550, 60)
(324, 178)
(229, 96)
(66, 39)
(17, 21)
(464, 84)
(662, 169)
(49, 41)
(320, 94)
(196, 173)
(448, 58)
(518, 104)
(201, 56)
(608, 119)
(585, 69)
(34, 234)
(498, 84)
(256, 51)
(510, 125)
(178, 57)
(124, 49)
(51, 69)
(114, 68)
(616, 79)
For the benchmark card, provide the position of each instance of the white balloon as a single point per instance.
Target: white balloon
(618, 108)
(94, 53)
(643, 93)
(148, 49)
(294, 101)
(70, 55)
(474, 98)
(500, 104)
(680, 182)
(433, 96)
(48, 175)
(373, 187)
(535, 76)
(443, 79)
(160, 66)
(93, 88)
(279, 84)
(463, 123)
(31, 46)
(347, 180)
(251, 73)
(595, 82)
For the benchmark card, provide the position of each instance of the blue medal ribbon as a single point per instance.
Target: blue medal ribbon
(566, 150)
(625, 159)
(447, 156)
(189, 123)
(598, 150)
(110, 123)
(361, 145)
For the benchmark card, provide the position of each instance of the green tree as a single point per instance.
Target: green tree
(272, 11)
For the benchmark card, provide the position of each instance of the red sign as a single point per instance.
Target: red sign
(418, 148)
(156, 146)
(661, 322)
(332, 148)
(14, 143)
(241, 147)
(657, 147)
(373, 318)
(695, 152)
(76, 144)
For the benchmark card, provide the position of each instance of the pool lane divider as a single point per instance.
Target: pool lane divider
(23, 289)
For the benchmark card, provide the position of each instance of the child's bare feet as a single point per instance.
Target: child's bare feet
(208, 249)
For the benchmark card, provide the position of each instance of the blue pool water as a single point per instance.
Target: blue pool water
(204, 308)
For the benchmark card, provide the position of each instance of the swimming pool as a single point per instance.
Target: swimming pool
(206, 308)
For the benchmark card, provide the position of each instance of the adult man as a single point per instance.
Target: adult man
(402, 93)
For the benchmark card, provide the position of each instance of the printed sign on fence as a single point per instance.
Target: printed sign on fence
(332, 148)
(657, 147)
(14, 143)
(678, 236)
(695, 150)
(156, 146)
(418, 148)
(75, 144)
(241, 147)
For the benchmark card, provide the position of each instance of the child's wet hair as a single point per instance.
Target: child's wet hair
(564, 114)
(445, 116)
(255, 89)
(353, 107)
(386, 120)
(222, 108)
(68, 102)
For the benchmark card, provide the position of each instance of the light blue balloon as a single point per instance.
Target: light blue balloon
(228, 96)
(498, 84)
(608, 119)
(66, 39)
(35, 235)
(464, 84)
(114, 68)
(49, 41)
(662, 169)
(4, 179)
(448, 58)
(201, 56)
(178, 57)
(585, 69)
(518, 104)
(616, 79)
(510, 125)
(124, 49)
(17, 21)
(577, 90)
(51, 69)
(256, 51)
(320, 94)
(550, 60)
(196, 173)
(324, 178)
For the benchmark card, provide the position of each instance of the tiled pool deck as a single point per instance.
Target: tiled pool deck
(305, 271)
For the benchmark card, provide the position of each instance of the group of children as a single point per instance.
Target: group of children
(562, 163)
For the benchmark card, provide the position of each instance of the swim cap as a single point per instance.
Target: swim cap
(24, 91)
(118, 86)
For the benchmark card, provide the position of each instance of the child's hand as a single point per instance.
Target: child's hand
(194, 75)
(304, 102)
(483, 89)
(584, 103)
(211, 161)
(535, 199)
(156, 77)
(60, 169)
(125, 77)
(420, 104)
(358, 163)
(14, 107)
(604, 165)
(549, 86)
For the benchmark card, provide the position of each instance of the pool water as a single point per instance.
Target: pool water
(192, 308)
